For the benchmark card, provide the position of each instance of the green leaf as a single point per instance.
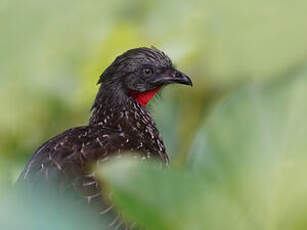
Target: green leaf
(246, 171)
(256, 140)
(40, 210)
(169, 199)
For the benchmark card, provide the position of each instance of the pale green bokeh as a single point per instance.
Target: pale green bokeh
(243, 113)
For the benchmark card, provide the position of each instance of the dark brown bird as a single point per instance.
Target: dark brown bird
(119, 123)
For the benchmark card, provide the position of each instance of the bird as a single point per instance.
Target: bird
(119, 123)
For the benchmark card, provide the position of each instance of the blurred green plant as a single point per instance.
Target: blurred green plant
(41, 210)
(246, 169)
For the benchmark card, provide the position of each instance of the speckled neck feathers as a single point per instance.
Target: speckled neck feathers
(134, 122)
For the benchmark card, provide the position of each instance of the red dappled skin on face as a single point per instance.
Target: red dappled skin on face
(144, 98)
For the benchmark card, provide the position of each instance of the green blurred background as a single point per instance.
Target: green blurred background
(245, 115)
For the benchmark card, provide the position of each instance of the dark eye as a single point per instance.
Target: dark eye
(147, 71)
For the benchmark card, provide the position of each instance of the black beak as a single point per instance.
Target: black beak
(172, 76)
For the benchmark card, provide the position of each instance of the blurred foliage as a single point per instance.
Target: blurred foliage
(245, 115)
(39, 211)
(246, 169)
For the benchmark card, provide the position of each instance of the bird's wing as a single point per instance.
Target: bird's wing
(61, 166)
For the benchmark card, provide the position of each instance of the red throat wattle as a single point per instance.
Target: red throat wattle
(144, 98)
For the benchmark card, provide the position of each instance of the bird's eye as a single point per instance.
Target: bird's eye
(147, 71)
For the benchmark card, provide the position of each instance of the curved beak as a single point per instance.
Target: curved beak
(172, 76)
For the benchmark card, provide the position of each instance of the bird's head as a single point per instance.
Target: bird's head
(140, 73)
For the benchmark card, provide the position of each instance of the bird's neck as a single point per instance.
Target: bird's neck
(129, 118)
(127, 113)
(112, 103)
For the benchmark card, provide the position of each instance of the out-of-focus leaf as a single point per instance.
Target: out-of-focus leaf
(170, 199)
(247, 168)
(256, 140)
(37, 211)
(258, 122)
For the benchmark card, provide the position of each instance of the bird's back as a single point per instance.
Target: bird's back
(64, 163)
